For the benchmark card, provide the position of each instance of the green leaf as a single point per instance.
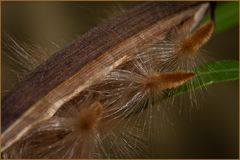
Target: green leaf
(210, 73)
(226, 15)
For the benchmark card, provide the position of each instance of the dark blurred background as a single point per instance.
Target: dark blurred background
(211, 131)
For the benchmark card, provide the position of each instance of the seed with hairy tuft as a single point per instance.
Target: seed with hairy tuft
(190, 44)
(167, 80)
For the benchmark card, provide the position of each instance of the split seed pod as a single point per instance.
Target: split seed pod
(87, 60)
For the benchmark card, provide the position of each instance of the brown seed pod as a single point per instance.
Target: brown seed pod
(87, 60)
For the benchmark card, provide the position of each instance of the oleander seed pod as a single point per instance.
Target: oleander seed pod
(59, 80)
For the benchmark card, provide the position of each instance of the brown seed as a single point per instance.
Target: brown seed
(191, 43)
(167, 80)
(87, 119)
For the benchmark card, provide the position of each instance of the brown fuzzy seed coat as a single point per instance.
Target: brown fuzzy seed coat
(167, 80)
(191, 43)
